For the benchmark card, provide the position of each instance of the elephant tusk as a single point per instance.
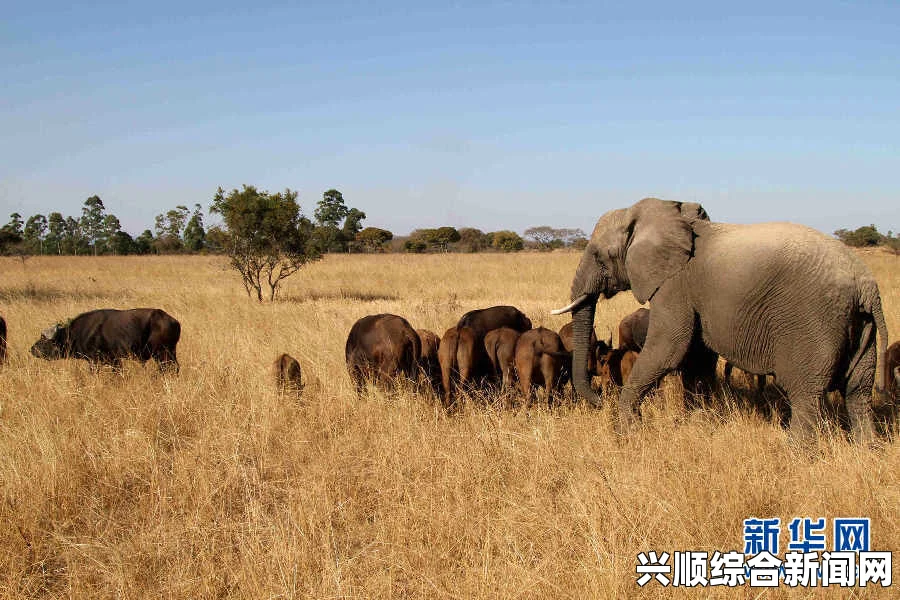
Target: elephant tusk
(575, 304)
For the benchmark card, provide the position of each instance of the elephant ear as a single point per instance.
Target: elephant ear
(693, 212)
(661, 241)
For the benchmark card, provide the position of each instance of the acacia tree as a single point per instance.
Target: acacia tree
(473, 240)
(373, 239)
(507, 241)
(267, 238)
(439, 239)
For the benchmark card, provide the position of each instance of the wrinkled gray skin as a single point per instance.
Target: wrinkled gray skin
(771, 298)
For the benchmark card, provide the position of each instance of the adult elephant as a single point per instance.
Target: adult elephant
(772, 298)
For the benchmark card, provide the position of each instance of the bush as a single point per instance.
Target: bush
(507, 241)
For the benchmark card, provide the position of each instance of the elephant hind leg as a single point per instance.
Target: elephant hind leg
(805, 414)
(857, 388)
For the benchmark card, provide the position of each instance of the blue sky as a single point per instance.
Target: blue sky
(493, 115)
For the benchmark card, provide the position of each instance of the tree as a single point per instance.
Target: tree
(216, 239)
(194, 235)
(92, 214)
(331, 209)
(34, 231)
(436, 239)
(268, 239)
(74, 238)
(892, 243)
(168, 229)
(373, 239)
(414, 245)
(353, 223)
(56, 226)
(11, 234)
(442, 237)
(110, 229)
(579, 243)
(143, 244)
(473, 240)
(543, 235)
(121, 243)
(331, 212)
(15, 224)
(863, 236)
(507, 241)
(548, 238)
(570, 236)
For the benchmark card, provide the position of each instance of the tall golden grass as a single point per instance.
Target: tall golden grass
(211, 484)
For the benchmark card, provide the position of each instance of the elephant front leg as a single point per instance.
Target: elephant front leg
(663, 352)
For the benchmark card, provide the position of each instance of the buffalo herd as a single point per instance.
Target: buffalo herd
(497, 348)
(494, 347)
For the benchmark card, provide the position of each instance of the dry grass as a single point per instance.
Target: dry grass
(211, 484)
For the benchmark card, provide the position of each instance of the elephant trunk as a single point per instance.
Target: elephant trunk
(583, 325)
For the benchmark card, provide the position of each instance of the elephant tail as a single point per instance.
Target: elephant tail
(881, 326)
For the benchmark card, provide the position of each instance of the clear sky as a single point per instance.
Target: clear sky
(486, 114)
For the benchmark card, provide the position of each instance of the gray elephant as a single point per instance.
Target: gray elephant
(772, 298)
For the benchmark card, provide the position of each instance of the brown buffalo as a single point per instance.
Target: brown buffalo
(500, 345)
(463, 361)
(428, 357)
(483, 320)
(633, 330)
(382, 347)
(697, 370)
(760, 379)
(887, 404)
(108, 336)
(2, 341)
(616, 366)
(287, 373)
(539, 360)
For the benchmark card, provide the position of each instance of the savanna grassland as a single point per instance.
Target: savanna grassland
(211, 484)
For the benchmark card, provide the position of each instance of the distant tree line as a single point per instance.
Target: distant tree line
(869, 236)
(468, 239)
(335, 227)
